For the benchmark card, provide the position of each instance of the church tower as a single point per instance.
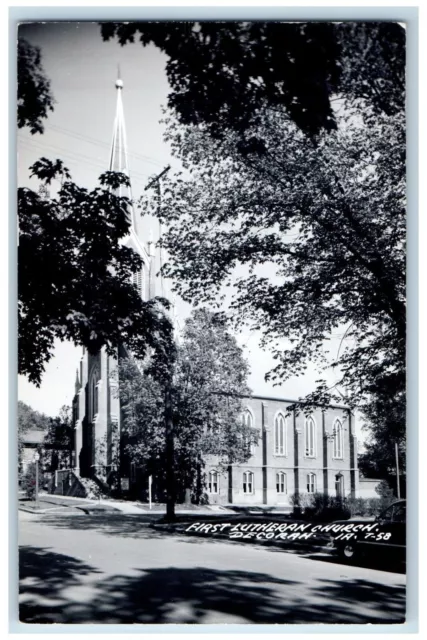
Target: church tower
(96, 405)
(119, 162)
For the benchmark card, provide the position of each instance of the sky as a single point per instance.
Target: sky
(83, 70)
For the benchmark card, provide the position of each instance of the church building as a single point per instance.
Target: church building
(296, 454)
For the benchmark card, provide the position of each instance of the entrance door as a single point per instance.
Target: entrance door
(339, 485)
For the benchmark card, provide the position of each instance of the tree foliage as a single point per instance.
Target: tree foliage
(222, 72)
(29, 419)
(59, 440)
(310, 236)
(385, 422)
(74, 275)
(325, 211)
(209, 380)
(35, 98)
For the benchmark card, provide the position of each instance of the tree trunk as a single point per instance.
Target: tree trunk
(187, 498)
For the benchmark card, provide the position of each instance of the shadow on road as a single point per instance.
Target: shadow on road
(58, 588)
(138, 527)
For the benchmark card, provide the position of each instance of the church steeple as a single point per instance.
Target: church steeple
(119, 157)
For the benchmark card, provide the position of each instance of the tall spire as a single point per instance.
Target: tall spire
(119, 156)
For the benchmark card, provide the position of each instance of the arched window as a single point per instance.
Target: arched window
(248, 423)
(338, 439)
(311, 483)
(213, 483)
(248, 482)
(93, 395)
(280, 439)
(281, 482)
(310, 438)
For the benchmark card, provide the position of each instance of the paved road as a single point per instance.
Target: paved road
(116, 569)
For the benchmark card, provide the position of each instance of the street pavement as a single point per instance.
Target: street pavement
(114, 568)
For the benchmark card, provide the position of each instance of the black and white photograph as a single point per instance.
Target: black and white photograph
(212, 337)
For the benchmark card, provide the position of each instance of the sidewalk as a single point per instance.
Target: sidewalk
(121, 506)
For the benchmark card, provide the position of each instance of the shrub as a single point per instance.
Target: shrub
(29, 481)
(362, 507)
(386, 494)
(319, 507)
(300, 502)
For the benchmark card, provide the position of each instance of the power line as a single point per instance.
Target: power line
(95, 141)
(76, 157)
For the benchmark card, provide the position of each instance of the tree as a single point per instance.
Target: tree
(207, 389)
(35, 98)
(221, 73)
(385, 422)
(58, 442)
(74, 276)
(327, 218)
(29, 420)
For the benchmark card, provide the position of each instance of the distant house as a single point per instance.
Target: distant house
(367, 487)
(31, 441)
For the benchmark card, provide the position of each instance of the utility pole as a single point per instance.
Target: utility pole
(169, 430)
(36, 460)
(155, 183)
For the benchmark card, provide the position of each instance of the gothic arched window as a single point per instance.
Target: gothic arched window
(248, 423)
(338, 439)
(280, 439)
(310, 438)
(93, 395)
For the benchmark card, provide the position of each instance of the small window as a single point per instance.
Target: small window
(311, 483)
(280, 443)
(213, 484)
(281, 484)
(338, 439)
(310, 438)
(248, 482)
